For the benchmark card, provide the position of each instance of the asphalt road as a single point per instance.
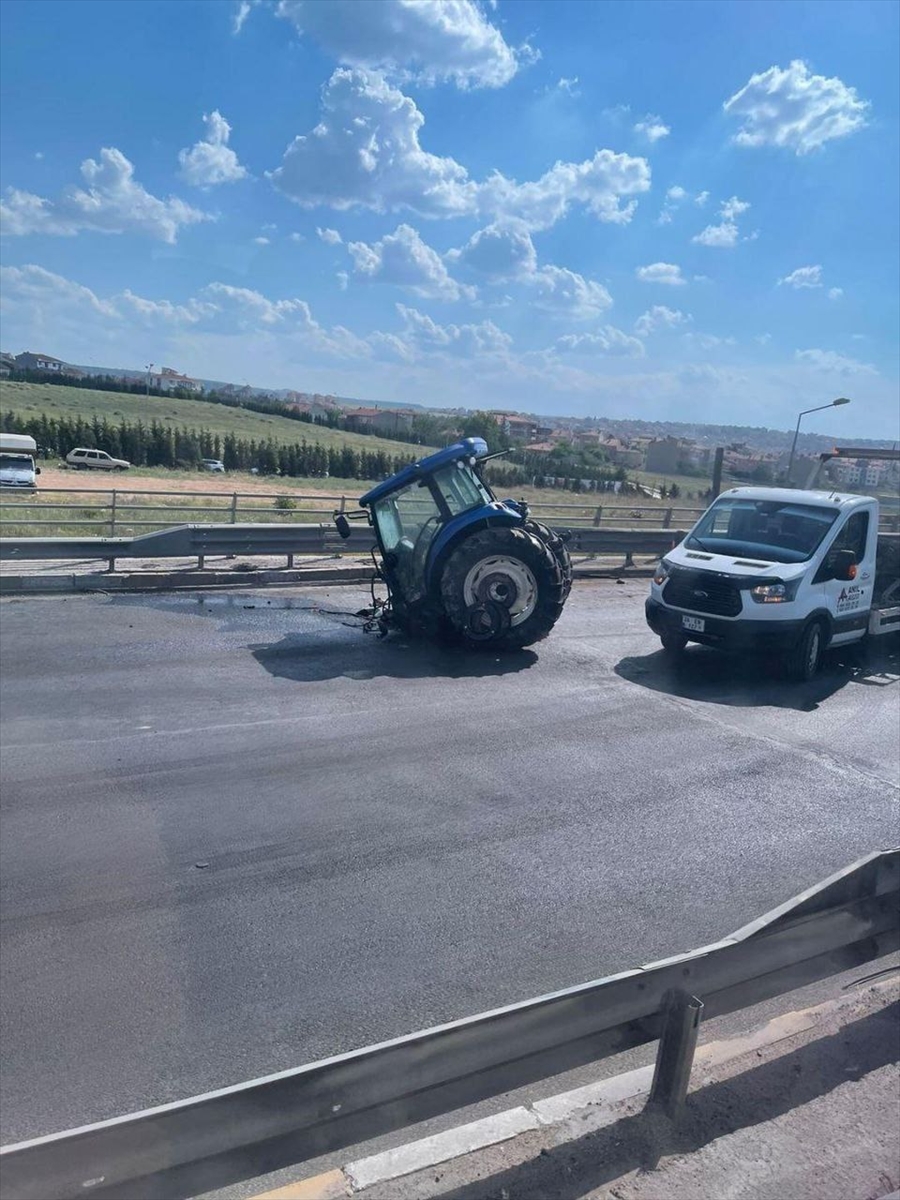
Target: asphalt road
(238, 834)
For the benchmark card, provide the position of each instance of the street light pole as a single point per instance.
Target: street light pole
(834, 403)
(149, 369)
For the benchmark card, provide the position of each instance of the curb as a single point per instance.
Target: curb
(606, 1098)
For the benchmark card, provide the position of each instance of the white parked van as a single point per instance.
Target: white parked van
(17, 469)
(97, 460)
(775, 569)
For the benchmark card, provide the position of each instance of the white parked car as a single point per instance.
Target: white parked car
(212, 464)
(97, 460)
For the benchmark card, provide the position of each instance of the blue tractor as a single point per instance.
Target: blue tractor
(457, 561)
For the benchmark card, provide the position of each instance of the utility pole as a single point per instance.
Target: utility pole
(149, 369)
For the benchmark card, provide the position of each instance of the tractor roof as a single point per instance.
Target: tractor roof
(472, 447)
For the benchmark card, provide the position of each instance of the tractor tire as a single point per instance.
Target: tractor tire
(559, 549)
(512, 568)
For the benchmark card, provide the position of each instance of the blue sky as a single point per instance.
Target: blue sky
(667, 211)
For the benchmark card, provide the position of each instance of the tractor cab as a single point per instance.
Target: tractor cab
(435, 515)
(412, 509)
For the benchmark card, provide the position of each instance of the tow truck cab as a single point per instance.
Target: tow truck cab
(779, 570)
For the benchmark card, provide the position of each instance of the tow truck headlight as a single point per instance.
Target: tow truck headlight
(775, 593)
(662, 571)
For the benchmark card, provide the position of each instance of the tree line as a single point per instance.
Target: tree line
(157, 444)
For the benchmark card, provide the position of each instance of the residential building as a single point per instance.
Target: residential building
(540, 448)
(663, 455)
(863, 472)
(40, 362)
(388, 422)
(7, 363)
(312, 409)
(516, 427)
(169, 380)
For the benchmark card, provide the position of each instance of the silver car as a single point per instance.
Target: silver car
(96, 460)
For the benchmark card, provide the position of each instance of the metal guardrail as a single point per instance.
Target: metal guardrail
(119, 510)
(209, 1141)
(201, 541)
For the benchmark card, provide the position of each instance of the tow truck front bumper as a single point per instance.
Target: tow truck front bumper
(738, 635)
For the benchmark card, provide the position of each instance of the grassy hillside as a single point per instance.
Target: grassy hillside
(32, 399)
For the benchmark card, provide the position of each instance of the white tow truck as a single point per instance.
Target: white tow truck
(17, 469)
(781, 571)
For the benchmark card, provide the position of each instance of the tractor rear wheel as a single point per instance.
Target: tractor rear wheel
(559, 550)
(503, 588)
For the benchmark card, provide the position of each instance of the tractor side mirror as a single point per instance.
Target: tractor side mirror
(342, 525)
(845, 565)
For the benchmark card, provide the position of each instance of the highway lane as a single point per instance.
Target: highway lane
(238, 834)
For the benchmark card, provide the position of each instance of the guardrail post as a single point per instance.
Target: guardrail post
(112, 517)
(675, 1057)
(629, 560)
(290, 561)
(234, 496)
(343, 503)
(201, 559)
(667, 519)
(598, 514)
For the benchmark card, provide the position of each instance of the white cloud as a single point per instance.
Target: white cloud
(835, 293)
(38, 154)
(676, 193)
(365, 153)
(701, 198)
(113, 202)
(725, 234)
(659, 317)
(403, 259)
(241, 13)
(422, 334)
(261, 241)
(660, 272)
(297, 237)
(330, 237)
(211, 160)
(607, 341)
(652, 128)
(708, 341)
(497, 252)
(568, 85)
(763, 339)
(788, 107)
(803, 277)
(437, 39)
(732, 209)
(565, 292)
(599, 183)
(505, 253)
(831, 361)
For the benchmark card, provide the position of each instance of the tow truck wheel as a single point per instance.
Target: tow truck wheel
(805, 659)
(674, 644)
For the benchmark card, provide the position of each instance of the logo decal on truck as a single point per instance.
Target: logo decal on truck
(849, 598)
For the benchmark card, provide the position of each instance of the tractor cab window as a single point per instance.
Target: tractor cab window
(407, 521)
(405, 517)
(460, 488)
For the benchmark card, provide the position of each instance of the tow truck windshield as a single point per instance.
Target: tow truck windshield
(776, 531)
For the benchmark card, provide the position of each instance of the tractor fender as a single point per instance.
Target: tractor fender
(458, 530)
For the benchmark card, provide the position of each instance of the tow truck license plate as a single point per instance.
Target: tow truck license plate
(695, 624)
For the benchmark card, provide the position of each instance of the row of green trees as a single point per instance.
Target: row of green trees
(157, 444)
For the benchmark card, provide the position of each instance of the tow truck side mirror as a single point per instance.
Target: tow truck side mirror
(845, 565)
(342, 525)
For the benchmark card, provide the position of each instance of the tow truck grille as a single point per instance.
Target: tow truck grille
(702, 591)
